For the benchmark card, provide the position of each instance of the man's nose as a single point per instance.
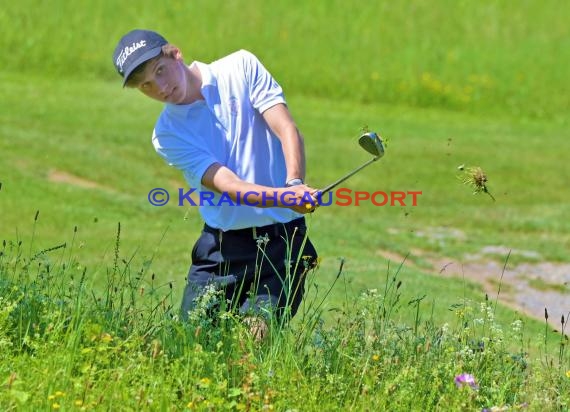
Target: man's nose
(162, 86)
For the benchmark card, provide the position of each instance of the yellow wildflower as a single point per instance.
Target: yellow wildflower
(375, 357)
(51, 397)
(568, 373)
(55, 406)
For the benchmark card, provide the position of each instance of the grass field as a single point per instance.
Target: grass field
(446, 83)
(495, 57)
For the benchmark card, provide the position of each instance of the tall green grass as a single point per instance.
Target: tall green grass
(491, 56)
(67, 345)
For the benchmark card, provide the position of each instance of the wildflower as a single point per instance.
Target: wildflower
(55, 406)
(466, 379)
(568, 373)
(60, 393)
(262, 240)
(78, 402)
(51, 397)
(375, 357)
(517, 325)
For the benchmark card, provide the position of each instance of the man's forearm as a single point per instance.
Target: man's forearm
(223, 180)
(280, 121)
(293, 150)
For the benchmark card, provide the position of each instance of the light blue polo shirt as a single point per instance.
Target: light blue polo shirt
(228, 128)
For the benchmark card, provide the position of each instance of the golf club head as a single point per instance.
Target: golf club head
(372, 143)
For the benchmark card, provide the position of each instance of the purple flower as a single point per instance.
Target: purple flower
(466, 379)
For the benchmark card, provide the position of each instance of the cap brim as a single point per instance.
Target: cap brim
(149, 54)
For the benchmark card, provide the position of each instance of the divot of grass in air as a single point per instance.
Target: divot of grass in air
(476, 178)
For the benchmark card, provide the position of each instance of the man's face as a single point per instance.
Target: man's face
(164, 79)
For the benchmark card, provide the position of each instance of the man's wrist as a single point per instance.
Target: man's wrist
(294, 182)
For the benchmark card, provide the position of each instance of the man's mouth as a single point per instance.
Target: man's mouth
(169, 95)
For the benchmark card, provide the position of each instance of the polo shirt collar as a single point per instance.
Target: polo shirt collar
(209, 84)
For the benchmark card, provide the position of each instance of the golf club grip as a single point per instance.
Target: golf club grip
(342, 179)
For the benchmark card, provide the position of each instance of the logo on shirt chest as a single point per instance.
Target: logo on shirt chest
(233, 105)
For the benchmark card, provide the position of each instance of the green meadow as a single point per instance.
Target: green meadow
(91, 274)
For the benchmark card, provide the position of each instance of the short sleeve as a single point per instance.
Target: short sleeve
(264, 90)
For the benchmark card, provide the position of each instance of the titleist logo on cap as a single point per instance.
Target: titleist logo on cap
(127, 51)
(135, 48)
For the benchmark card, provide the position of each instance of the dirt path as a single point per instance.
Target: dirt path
(530, 288)
(527, 287)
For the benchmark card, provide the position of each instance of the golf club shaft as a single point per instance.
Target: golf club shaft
(342, 179)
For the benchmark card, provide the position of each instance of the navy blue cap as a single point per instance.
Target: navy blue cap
(135, 48)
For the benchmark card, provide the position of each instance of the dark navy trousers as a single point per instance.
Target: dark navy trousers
(258, 270)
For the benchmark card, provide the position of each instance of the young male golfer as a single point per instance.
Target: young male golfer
(226, 126)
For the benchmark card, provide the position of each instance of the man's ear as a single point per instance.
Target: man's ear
(177, 54)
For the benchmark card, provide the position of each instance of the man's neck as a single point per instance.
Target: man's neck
(194, 84)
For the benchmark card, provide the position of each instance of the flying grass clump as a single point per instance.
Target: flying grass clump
(476, 178)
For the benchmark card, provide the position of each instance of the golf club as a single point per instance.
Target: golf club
(370, 142)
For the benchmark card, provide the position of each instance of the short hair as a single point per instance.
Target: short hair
(168, 50)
